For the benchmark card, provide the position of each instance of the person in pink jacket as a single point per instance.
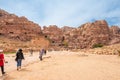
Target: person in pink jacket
(2, 61)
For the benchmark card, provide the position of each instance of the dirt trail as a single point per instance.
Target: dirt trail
(64, 65)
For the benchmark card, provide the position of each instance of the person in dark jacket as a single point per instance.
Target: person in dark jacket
(19, 57)
(41, 54)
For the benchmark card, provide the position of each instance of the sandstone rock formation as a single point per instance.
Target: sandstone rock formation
(115, 35)
(15, 27)
(18, 32)
(85, 36)
(88, 34)
(53, 33)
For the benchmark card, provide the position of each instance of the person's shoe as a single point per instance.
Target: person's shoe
(20, 67)
(17, 68)
(4, 73)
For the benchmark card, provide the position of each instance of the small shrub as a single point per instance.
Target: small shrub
(65, 44)
(10, 52)
(118, 52)
(97, 45)
(25, 46)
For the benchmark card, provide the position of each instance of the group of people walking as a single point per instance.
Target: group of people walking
(19, 57)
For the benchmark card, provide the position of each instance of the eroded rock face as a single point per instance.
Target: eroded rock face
(84, 36)
(115, 30)
(115, 35)
(89, 34)
(53, 33)
(67, 29)
(15, 27)
(56, 35)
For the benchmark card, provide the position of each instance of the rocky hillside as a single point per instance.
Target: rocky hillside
(85, 36)
(30, 35)
(19, 32)
(91, 33)
(20, 28)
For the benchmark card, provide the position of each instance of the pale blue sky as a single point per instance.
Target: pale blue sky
(71, 13)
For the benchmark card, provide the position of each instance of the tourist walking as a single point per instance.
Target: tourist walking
(31, 52)
(41, 54)
(19, 58)
(45, 51)
(2, 60)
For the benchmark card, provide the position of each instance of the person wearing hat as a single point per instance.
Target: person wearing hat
(2, 61)
(19, 57)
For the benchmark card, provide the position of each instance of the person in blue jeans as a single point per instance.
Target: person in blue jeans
(19, 58)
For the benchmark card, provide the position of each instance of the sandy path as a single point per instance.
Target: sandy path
(68, 66)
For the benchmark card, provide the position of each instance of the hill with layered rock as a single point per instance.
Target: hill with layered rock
(85, 36)
(19, 32)
(12, 26)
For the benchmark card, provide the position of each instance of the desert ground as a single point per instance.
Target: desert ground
(64, 65)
